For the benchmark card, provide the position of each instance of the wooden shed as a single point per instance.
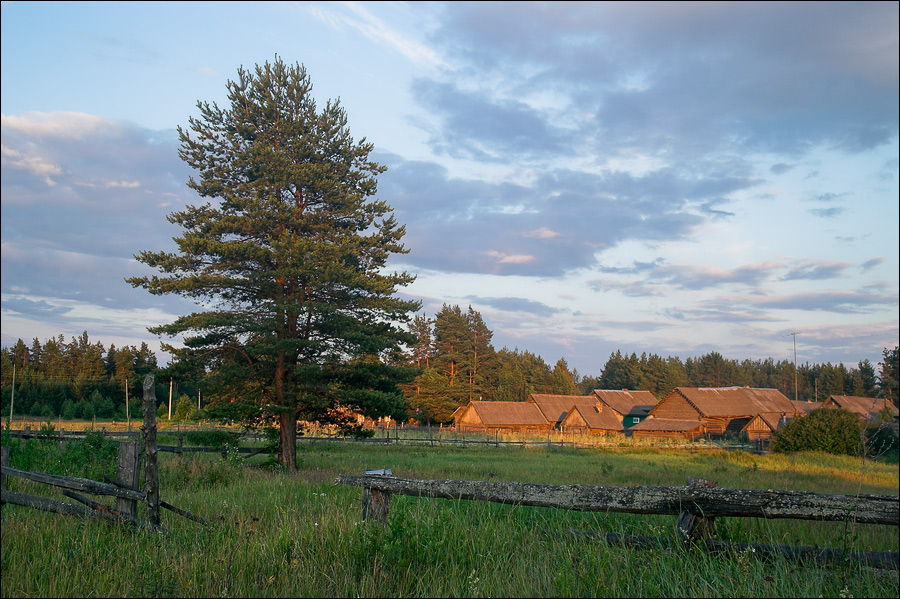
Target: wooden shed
(596, 420)
(763, 426)
(669, 428)
(722, 409)
(501, 415)
(629, 406)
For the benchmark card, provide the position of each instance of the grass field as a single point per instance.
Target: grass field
(279, 534)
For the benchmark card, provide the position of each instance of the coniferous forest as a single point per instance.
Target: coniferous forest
(455, 360)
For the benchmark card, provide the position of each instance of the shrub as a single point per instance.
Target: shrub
(184, 409)
(830, 430)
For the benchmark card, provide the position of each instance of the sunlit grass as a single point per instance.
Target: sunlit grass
(281, 534)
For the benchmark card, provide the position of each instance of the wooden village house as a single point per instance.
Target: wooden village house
(630, 407)
(692, 411)
(500, 415)
(868, 409)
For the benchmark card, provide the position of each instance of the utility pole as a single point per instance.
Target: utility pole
(794, 335)
(170, 391)
(12, 396)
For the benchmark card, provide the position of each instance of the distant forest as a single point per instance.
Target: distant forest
(454, 357)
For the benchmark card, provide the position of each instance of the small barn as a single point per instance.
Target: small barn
(722, 409)
(867, 408)
(596, 420)
(763, 426)
(629, 406)
(555, 408)
(501, 415)
(668, 428)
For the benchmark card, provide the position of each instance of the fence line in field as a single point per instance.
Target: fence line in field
(696, 505)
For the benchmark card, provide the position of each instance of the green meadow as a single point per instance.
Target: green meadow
(281, 534)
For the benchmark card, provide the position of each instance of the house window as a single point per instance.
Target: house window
(635, 420)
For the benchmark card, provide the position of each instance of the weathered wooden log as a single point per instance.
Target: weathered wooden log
(68, 509)
(691, 528)
(184, 513)
(104, 510)
(704, 501)
(78, 484)
(163, 504)
(376, 504)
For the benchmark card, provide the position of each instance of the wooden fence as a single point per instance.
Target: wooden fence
(124, 487)
(696, 505)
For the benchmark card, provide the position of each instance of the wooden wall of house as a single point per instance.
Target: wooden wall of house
(469, 418)
(690, 435)
(716, 426)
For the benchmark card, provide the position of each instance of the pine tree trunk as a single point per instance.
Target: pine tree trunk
(287, 424)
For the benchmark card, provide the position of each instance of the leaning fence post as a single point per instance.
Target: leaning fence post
(151, 466)
(376, 504)
(691, 527)
(129, 475)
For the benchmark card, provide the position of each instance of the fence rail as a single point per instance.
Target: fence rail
(697, 505)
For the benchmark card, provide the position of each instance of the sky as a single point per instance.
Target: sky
(674, 178)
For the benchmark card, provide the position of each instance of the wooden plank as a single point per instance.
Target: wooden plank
(61, 507)
(704, 501)
(129, 472)
(151, 464)
(78, 484)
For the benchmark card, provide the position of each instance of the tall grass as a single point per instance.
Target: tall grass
(279, 534)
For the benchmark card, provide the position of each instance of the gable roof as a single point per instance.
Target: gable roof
(556, 407)
(596, 417)
(508, 413)
(625, 402)
(772, 421)
(733, 402)
(866, 407)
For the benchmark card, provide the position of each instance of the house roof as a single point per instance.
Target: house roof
(512, 413)
(626, 402)
(733, 402)
(667, 425)
(805, 407)
(597, 417)
(556, 407)
(867, 407)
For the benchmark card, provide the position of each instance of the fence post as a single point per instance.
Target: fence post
(151, 465)
(376, 504)
(690, 527)
(4, 460)
(129, 475)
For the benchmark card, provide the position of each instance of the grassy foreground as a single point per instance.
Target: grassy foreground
(278, 534)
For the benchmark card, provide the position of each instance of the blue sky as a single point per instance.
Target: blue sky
(670, 178)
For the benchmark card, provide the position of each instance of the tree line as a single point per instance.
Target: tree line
(458, 364)
(76, 379)
(454, 362)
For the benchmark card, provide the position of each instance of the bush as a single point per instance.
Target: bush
(184, 409)
(830, 430)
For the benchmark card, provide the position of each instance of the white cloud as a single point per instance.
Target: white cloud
(36, 165)
(61, 124)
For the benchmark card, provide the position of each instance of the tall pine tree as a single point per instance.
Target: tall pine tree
(287, 257)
